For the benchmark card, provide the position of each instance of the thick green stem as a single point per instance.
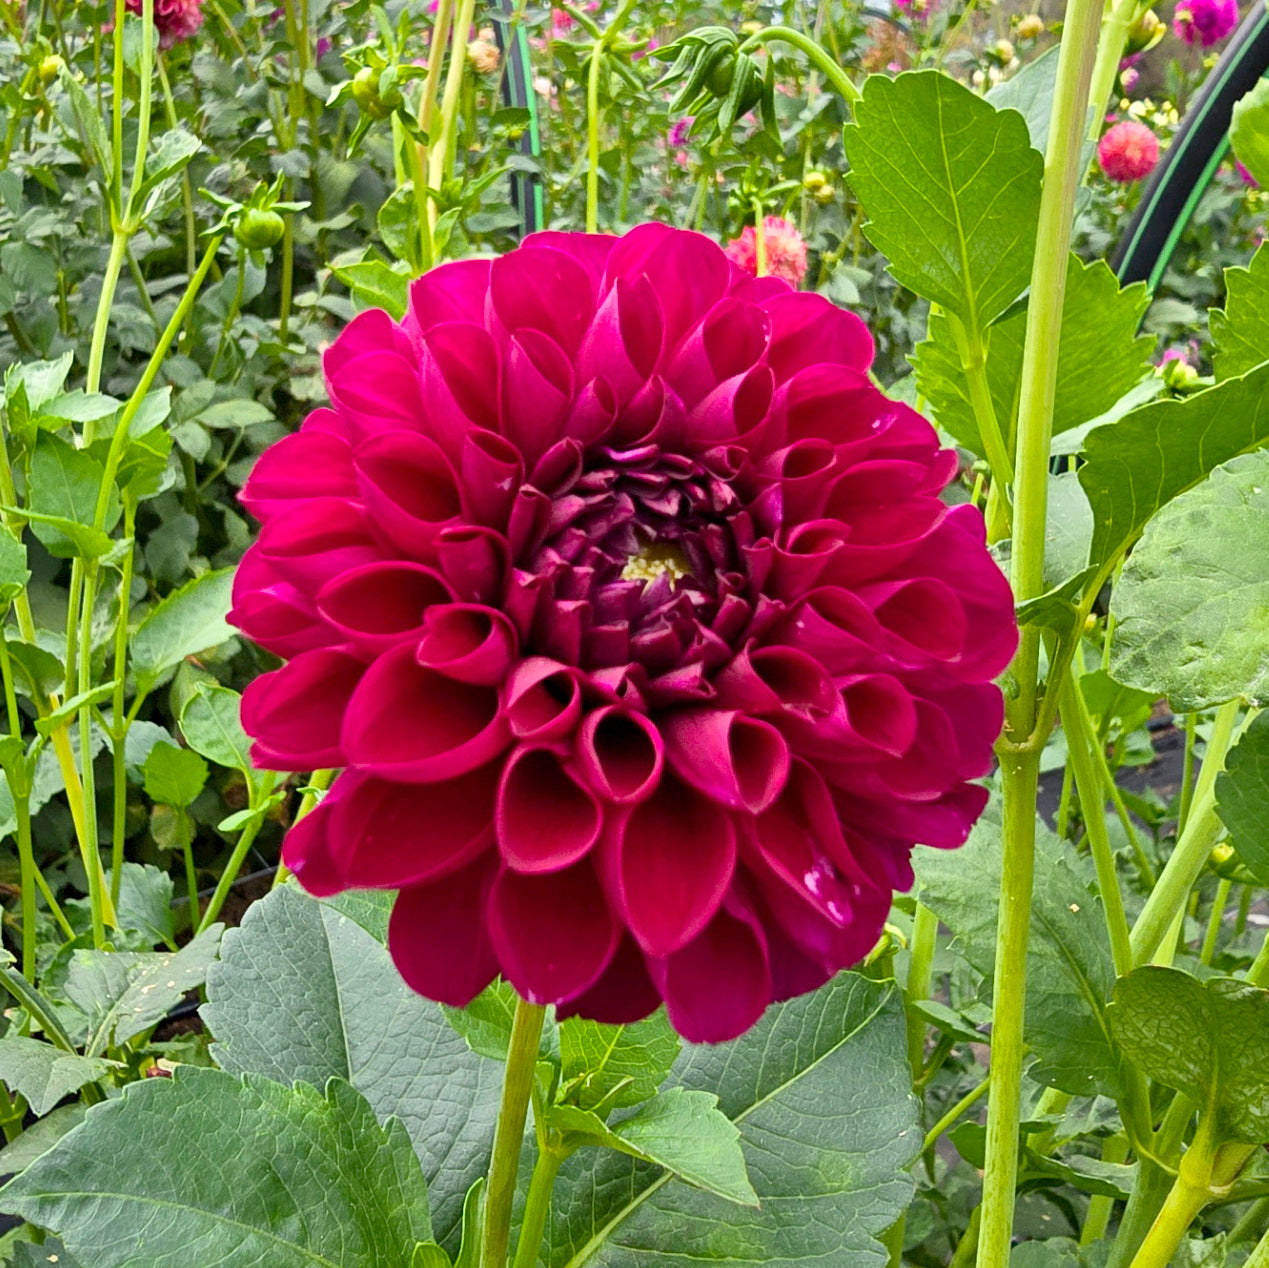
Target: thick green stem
(1215, 919)
(1149, 1191)
(537, 1207)
(1259, 1257)
(245, 841)
(592, 137)
(109, 283)
(184, 838)
(118, 719)
(19, 787)
(819, 57)
(439, 161)
(522, 1056)
(1119, 17)
(1101, 1205)
(925, 928)
(1192, 849)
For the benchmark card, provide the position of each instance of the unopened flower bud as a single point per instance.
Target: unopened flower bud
(483, 56)
(1145, 32)
(1003, 51)
(1031, 27)
(370, 100)
(50, 68)
(258, 228)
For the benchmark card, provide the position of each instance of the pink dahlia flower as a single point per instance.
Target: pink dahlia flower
(1204, 22)
(175, 20)
(1128, 152)
(786, 250)
(631, 611)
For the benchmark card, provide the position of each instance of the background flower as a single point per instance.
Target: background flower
(175, 20)
(785, 246)
(1128, 152)
(1205, 22)
(633, 613)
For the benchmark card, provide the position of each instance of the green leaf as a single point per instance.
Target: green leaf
(485, 1023)
(44, 1074)
(1242, 797)
(302, 992)
(41, 381)
(65, 538)
(188, 620)
(14, 574)
(399, 225)
(1241, 332)
(40, 1137)
(173, 152)
(62, 489)
(821, 1094)
(205, 1168)
(1030, 93)
(682, 1131)
(123, 993)
(951, 187)
(1100, 357)
(617, 1065)
(375, 284)
(1206, 1039)
(70, 707)
(1068, 530)
(210, 725)
(1249, 132)
(39, 671)
(430, 1255)
(173, 776)
(1192, 606)
(145, 902)
(1140, 463)
(90, 123)
(1069, 968)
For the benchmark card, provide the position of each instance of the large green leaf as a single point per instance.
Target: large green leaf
(210, 724)
(1206, 1039)
(617, 1065)
(1241, 332)
(1100, 357)
(1070, 972)
(951, 187)
(1140, 463)
(44, 1074)
(1249, 131)
(1030, 93)
(820, 1092)
(1192, 606)
(303, 992)
(204, 1168)
(173, 776)
(189, 620)
(1242, 797)
(63, 486)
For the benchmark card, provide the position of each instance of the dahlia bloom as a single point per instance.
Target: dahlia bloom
(786, 250)
(1128, 152)
(175, 20)
(630, 610)
(1204, 22)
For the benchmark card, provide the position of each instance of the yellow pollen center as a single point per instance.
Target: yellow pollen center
(655, 562)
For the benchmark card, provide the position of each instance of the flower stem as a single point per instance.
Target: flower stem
(592, 137)
(1119, 17)
(759, 239)
(819, 57)
(537, 1207)
(440, 154)
(234, 866)
(522, 1055)
(1020, 753)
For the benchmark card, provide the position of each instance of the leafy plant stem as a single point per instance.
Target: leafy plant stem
(187, 189)
(537, 1206)
(592, 136)
(185, 839)
(232, 313)
(440, 151)
(969, 342)
(1259, 1258)
(1215, 919)
(260, 794)
(109, 282)
(818, 56)
(21, 793)
(759, 239)
(925, 928)
(118, 719)
(1249, 1224)
(1101, 1205)
(1148, 1193)
(1081, 737)
(318, 782)
(1187, 772)
(431, 83)
(972, 1097)
(1119, 16)
(1192, 847)
(287, 284)
(522, 1054)
(1258, 973)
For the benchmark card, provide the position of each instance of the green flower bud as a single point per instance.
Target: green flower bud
(50, 67)
(257, 229)
(366, 94)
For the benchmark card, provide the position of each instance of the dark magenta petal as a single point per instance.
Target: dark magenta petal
(459, 365)
(542, 700)
(313, 540)
(546, 818)
(625, 341)
(590, 250)
(306, 465)
(623, 993)
(468, 642)
(739, 406)
(668, 862)
(880, 710)
(733, 950)
(836, 627)
(537, 392)
(371, 331)
(810, 330)
(773, 679)
(473, 560)
(621, 752)
(438, 937)
(377, 392)
(295, 713)
(924, 612)
(539, 288)
(274, 613)
(729, 342)
(306, 851)
(735, 760)
(379, 605)
(409, 489)
(492, 471)
(454, 291)
(388, 835)
(407, 722)
(553, 933)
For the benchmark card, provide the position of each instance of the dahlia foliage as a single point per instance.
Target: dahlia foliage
(631, 610)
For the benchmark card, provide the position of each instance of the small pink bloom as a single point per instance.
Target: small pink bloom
(786, 250)
(632, 614)
(1204, 22)
(1128, 79)
(175, 20)
(1128, 152)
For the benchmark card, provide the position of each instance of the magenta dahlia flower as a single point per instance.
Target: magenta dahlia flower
(1128, 152)
(631, 611)
(1204, 22)
(175, 20)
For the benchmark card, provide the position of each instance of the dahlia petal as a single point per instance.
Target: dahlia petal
(306, 851)
(730, 341)
(438, 939)
(542, 700)
(739, 406)
(880, 710)
(468, 642)
(379, 605)
(625, 340)
(623, 993)
(313, 540)
(593, 413)
(454, 291)
(621, 752)
(368, 332)
(590, 250)
(294, 714)
(546, 819)
(273, 613)
(732, 950)
(922, 611)
(491, 470)
(928, 765)
(473, 560)
(542, 289)
(806, 555)
(775, 679)
(668, 862)
(836, 627)
(410, 723)
(409, 488)
(389, 835)
(304, 465)
(811, 330)
(553, 933)
(801, 474)
(376, 392)
(735, 760)
(537, 391)
(833, 403)
(458, 373)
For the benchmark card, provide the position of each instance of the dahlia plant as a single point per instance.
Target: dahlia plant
(647, 682)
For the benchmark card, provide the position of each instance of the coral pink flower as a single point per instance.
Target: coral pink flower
(632, 612)
(1128, 152)
(175, 20)
(786, 250)
(1204, 22)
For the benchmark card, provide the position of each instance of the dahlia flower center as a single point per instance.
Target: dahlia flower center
(659, 559)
